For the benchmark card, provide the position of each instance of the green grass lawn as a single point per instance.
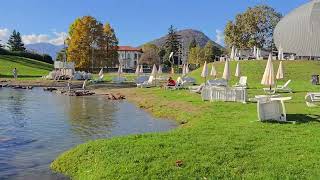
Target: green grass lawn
(27, 68)
(217, 140)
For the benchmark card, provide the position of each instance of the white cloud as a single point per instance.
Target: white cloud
(57, 38)
(4, 35)
(219, 37)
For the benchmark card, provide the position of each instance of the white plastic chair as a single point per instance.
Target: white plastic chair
(284, 88)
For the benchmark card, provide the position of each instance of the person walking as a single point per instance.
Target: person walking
(15, 73)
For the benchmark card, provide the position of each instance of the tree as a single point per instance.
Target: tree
(1, 46)
(193, 44)
(252, 28)
(150, 54)
(61, 55)
(172, 44)
(208, 52)
(196, 56)
(110, 46)
(15, 42)
(86, 43)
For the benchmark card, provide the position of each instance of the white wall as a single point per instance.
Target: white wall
(129, 59)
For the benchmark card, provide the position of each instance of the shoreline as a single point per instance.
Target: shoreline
(62, 83)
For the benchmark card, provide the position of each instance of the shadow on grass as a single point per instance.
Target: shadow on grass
(303, 118)
(297, 119)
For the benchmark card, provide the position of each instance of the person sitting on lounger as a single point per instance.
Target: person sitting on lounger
(171, 82)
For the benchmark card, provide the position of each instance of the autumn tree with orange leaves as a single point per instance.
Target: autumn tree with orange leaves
(91, 44)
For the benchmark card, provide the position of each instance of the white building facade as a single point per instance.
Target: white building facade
(129, 56)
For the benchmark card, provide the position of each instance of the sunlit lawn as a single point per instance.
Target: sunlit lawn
(217, 140)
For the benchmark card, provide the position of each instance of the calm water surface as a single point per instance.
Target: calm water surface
(36, 126)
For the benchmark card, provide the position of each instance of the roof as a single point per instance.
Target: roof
(129, 48)
(299, 31)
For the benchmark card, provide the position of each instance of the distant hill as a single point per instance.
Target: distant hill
(45, 48)
(187, 36)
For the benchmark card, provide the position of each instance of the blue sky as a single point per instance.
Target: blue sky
(135, 21)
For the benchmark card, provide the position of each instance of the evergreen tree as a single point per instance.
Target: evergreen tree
(61, 55)
(15, 42)
(172, 44)
(208, 52)
(192, 44)
(196, 56)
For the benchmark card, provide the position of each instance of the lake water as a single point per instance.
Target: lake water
(36, 126)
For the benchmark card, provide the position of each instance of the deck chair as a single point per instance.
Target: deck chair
(100, 79)
(313, 99)
(146, 84)
(196, 89)
(284, 88)
(242, 82)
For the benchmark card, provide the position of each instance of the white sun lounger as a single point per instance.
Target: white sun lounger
(242, 82)
(196, 89)
(284, 88)
(146, 84)
(313, 99)
(100, 79)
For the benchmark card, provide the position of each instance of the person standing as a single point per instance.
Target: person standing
(15, 73)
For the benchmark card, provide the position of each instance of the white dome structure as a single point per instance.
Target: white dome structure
(299, 31)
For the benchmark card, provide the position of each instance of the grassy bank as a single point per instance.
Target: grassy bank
(216, 140)
(27, 68)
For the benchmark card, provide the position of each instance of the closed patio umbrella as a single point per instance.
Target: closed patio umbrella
(154, 73)
(232, 53)
(187, 69)
(120, 71)
(154, 70)
(280, 71)
(137, 70)
(238, 73)
(254, 51)
(236, 53)
(141, 69)
(280, 53)
(100, 72)
(258, 54)
(226, 71)
(183, 70)
(205, 72)
(268, 75)
(160, 69)
(213, 72)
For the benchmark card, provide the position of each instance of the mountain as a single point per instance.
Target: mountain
(45, 48)
(187, 36)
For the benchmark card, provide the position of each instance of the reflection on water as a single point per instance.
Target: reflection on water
(36, 126)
